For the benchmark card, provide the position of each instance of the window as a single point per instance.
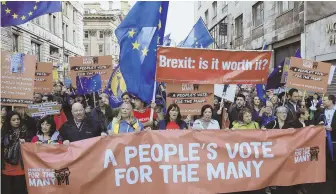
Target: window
(258, 13)
(74, 37)
(54, 24)
(66, 58)
(54, 51)
(206, 17)
(66, 32)
(35, 50)
(50, 22)
(86, 11)
(65, 9)
(74, 16)
(239, 26)
(86, 48)
(214, 8)
(86, 34)
(101, 34)
(100, 48)
(15, 43)
(199, 4)
(285, 6)
(220, 34)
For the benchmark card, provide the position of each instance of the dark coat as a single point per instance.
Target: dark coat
(88, 129)
(292, 114)
(319, 116)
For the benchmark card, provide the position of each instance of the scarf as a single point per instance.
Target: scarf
(12, 151)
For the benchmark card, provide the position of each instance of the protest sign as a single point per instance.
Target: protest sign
(189, 97)
(205, 66)
(182, 161)
(43, 78)
(308, 75)
(17, 89)
(229, 91)
(89, 66)
(43, 109)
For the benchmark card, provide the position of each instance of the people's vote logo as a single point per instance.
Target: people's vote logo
(62, 176)
(307, 154)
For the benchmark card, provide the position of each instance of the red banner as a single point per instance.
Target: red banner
(170, 162)
(204, 66)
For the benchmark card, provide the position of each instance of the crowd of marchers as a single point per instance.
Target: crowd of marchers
(82, 117)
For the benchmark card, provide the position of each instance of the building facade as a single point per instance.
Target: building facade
(43, 36)
(99, 26)
(281, 25)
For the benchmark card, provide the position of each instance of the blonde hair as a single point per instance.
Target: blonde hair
(131, 114)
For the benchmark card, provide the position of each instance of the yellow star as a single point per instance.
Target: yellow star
(15, 16)
(3, 2)
(159, 25)
(131, 33)
(37, 1)
(7, 11)
(35, 7)
(158, 40)
(23, 17)
(136, 45)
(30, 13)
(160, 10)
(144, 51)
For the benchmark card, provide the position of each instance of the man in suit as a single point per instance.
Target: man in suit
(81, 127)
(292, 105)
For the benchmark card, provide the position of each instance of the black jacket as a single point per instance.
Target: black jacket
(275, 125)
(233, 114)
(297, 124)
(88, 129)
(319, 116)
(292, 114)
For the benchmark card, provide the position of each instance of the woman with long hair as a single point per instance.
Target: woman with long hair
(206, 122)
(4, 110)
(12, 173)
(173, 119)
(125, 122)
(257, 107)
(47, 133)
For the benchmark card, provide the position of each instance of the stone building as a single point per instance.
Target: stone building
(99, 26)
(281, 25)
(42, 36)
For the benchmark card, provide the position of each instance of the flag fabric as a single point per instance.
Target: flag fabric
(115, 88)
(166, 40)
(138, 36)
(261, 88)
(199, 37)
(19, 12)
(274, 79)
(86, 85)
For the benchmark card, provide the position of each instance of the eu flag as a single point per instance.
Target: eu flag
(115, 88)
(199, 37)
(166, 40)
(19, 12)
(138, 36)
(274, 79)
(86, 85)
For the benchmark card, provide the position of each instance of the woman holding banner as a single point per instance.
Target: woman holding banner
(47, 133)
(280, 121)
(206, 122)
(125, 122)
(245, 121)
(173, 119)
(12, 173)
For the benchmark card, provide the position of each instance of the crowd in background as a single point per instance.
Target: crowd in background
(86, 116)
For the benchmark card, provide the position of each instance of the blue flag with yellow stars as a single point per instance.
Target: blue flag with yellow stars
(87, 85)
(166, 40)
(115, 88)
(199, 37)
(19, 12)
(138, 36)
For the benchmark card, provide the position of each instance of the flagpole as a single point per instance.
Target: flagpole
(63, 47)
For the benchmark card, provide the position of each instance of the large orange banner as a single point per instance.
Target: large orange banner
(204, 66)
(170, 162)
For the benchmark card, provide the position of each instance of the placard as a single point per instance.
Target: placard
(206, 66)
(88, 66)
(308, 75)
(43, 78)
(230, 91)
(17, 89)
(44, 109)
(178, 162)
(190, 97)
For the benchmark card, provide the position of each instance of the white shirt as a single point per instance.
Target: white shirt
(329, 113)
(213, 124)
